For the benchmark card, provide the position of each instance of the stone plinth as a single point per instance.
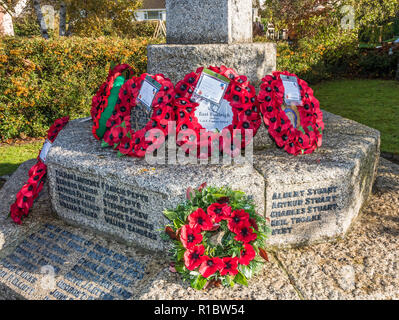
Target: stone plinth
(316, 197)
(255, 60)
(307, 198)
(125, 197)
(208, 21)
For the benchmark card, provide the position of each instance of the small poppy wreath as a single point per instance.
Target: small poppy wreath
(100, 100)
(308, 136)
(119, 132)
(218, 239)
(37, 176)
(242, 98)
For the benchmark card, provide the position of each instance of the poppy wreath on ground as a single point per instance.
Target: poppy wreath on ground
(217, 238)
(241, 96)
(307, 137)
(127, 139)
(101, 101)
(37, 175)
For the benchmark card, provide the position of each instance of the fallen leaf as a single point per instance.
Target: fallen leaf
(169, 231)
(202, 186)
(263, 254)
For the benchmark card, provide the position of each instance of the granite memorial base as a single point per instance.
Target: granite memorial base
(254, 60)
(307, 198)
(125, 197)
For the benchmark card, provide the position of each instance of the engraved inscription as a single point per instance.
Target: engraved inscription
(120, 208)
(293, 208)
(83, 269)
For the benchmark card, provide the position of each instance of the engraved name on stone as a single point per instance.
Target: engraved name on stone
(97, 272)
(114, 206)
(293, 208)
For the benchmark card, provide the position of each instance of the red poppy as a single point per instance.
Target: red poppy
(28, 190)
(219, 212)
(200, 219)
(238, 219)
(229, 266)
(247, 255)
(245, 234)
(194, 257)
(38, 169)
(253, 223)
(126, 146)
(210, 266)
(17, 213)
(24, 202)
(190, 237)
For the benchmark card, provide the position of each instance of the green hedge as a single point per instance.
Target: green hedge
(320, 59)
(41, 81)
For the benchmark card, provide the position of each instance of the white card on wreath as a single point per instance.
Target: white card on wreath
(292, 94)
(46, 148)
(148, 91)
(211, 86)
(214, 117)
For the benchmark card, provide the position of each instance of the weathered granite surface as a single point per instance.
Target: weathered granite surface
(208, 21)
(255, 60)
(82, 176)
(316, 197)
(363, 265)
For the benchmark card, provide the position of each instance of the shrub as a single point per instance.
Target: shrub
(41, 81)
(317, 59)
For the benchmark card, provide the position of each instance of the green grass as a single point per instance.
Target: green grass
(12, 156)
(374, 103)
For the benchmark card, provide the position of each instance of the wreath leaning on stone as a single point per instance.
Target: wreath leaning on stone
(307, 136)
(217, 238)
(25, 198)
(119, 132)
(241, 98)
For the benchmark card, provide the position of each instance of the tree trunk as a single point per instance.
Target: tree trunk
(6, 25)
(62, 19)
(6, 17)
(40, 19)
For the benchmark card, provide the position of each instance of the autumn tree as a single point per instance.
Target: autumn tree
(94, 17)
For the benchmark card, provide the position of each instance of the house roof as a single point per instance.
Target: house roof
(153, 4)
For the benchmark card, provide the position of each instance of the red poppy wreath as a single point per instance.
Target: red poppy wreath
(217, 238)
(100, 101)
(37, 176)
(139, 121)
(215, 108)
(296, 128)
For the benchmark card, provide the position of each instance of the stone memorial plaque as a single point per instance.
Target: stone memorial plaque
(294, 211)
(60, 263)
(114, 208)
